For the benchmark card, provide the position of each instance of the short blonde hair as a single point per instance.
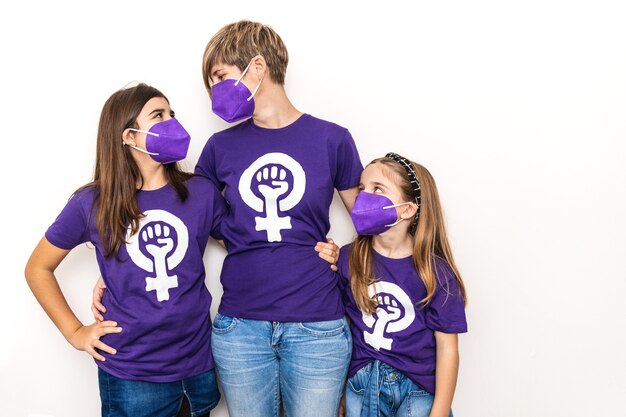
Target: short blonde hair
(239, 42)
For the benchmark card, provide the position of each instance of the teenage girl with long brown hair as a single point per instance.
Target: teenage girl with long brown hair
(149, 223)
(404, 296)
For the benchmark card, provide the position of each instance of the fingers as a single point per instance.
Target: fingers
(327, 248)
(96, 314)
(96, 306)
(99, 330)
(328, 258)
(328, 252)
(104, 347)
(95, 354)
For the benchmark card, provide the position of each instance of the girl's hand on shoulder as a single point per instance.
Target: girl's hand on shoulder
(87, 338)
(329, 252)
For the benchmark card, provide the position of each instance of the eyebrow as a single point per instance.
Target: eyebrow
(156, 111)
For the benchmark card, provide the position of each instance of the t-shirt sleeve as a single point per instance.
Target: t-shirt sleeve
(446, 311)
(348, 164)
(206, 166)
(70, 228)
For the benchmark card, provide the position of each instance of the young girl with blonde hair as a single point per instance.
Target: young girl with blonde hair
(404, 296)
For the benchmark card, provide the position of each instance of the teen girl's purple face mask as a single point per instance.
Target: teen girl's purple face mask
(231, 99)
(373, 214)
(166, 142)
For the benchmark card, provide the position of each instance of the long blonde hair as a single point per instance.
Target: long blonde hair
(430, 242)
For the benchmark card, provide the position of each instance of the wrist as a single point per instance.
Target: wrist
(71, 332)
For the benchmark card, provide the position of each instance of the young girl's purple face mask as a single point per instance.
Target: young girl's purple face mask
(166, 142)
(373, 214)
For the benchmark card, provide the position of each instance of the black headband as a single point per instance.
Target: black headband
(415, 184)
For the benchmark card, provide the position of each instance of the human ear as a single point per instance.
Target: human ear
(128, 137)
(409, 211)
(259, 66)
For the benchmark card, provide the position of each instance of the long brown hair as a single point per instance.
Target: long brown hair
(116, 173)
(430, 242)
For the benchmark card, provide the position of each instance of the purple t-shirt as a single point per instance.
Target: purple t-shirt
(401, 333)
(155, 290)
(279, 184)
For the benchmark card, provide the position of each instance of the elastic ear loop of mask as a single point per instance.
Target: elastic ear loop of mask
(243, 74)
(138, 148)
(415, 184)
(392, 206)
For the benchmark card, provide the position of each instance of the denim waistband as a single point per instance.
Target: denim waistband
(379, 373)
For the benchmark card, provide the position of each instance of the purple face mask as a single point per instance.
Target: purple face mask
(373, 214)
(166, 142)
(232, 101)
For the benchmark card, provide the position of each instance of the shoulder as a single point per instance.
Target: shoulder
(443, 268)
(446, 278)
(228, 133)
(201, 186)
(333, 130)
(345, 250)
(85, 195)
(342, 263)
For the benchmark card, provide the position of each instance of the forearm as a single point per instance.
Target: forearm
(46, 289)
(348, 197)
(447, 367)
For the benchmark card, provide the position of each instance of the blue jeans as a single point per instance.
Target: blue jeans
(378, 389)
(125, 398)
(260, 362)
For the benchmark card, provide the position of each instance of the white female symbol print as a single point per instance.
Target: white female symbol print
(273, 183)
(395, 313)
(158, 247)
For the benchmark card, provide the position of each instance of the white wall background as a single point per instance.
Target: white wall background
(518, 109)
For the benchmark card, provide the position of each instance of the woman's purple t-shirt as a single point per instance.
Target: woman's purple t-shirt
(401, 332)
(279, 184)
(155, 290)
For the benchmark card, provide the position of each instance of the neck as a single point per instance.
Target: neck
(152, 174)
(396, 242)
(273, 109)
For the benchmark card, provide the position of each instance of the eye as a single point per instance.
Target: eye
(361, 188)
(378, 190)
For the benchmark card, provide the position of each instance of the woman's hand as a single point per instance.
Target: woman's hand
(328, 252)
(96, 302)
(87, 338)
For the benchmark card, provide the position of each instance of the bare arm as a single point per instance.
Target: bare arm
(42, 282)
(446, 371)
(348, 196)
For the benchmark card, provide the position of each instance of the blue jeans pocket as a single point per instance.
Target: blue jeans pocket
(323, 328)
(359, 381)
(224, 324)
(420, 402)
